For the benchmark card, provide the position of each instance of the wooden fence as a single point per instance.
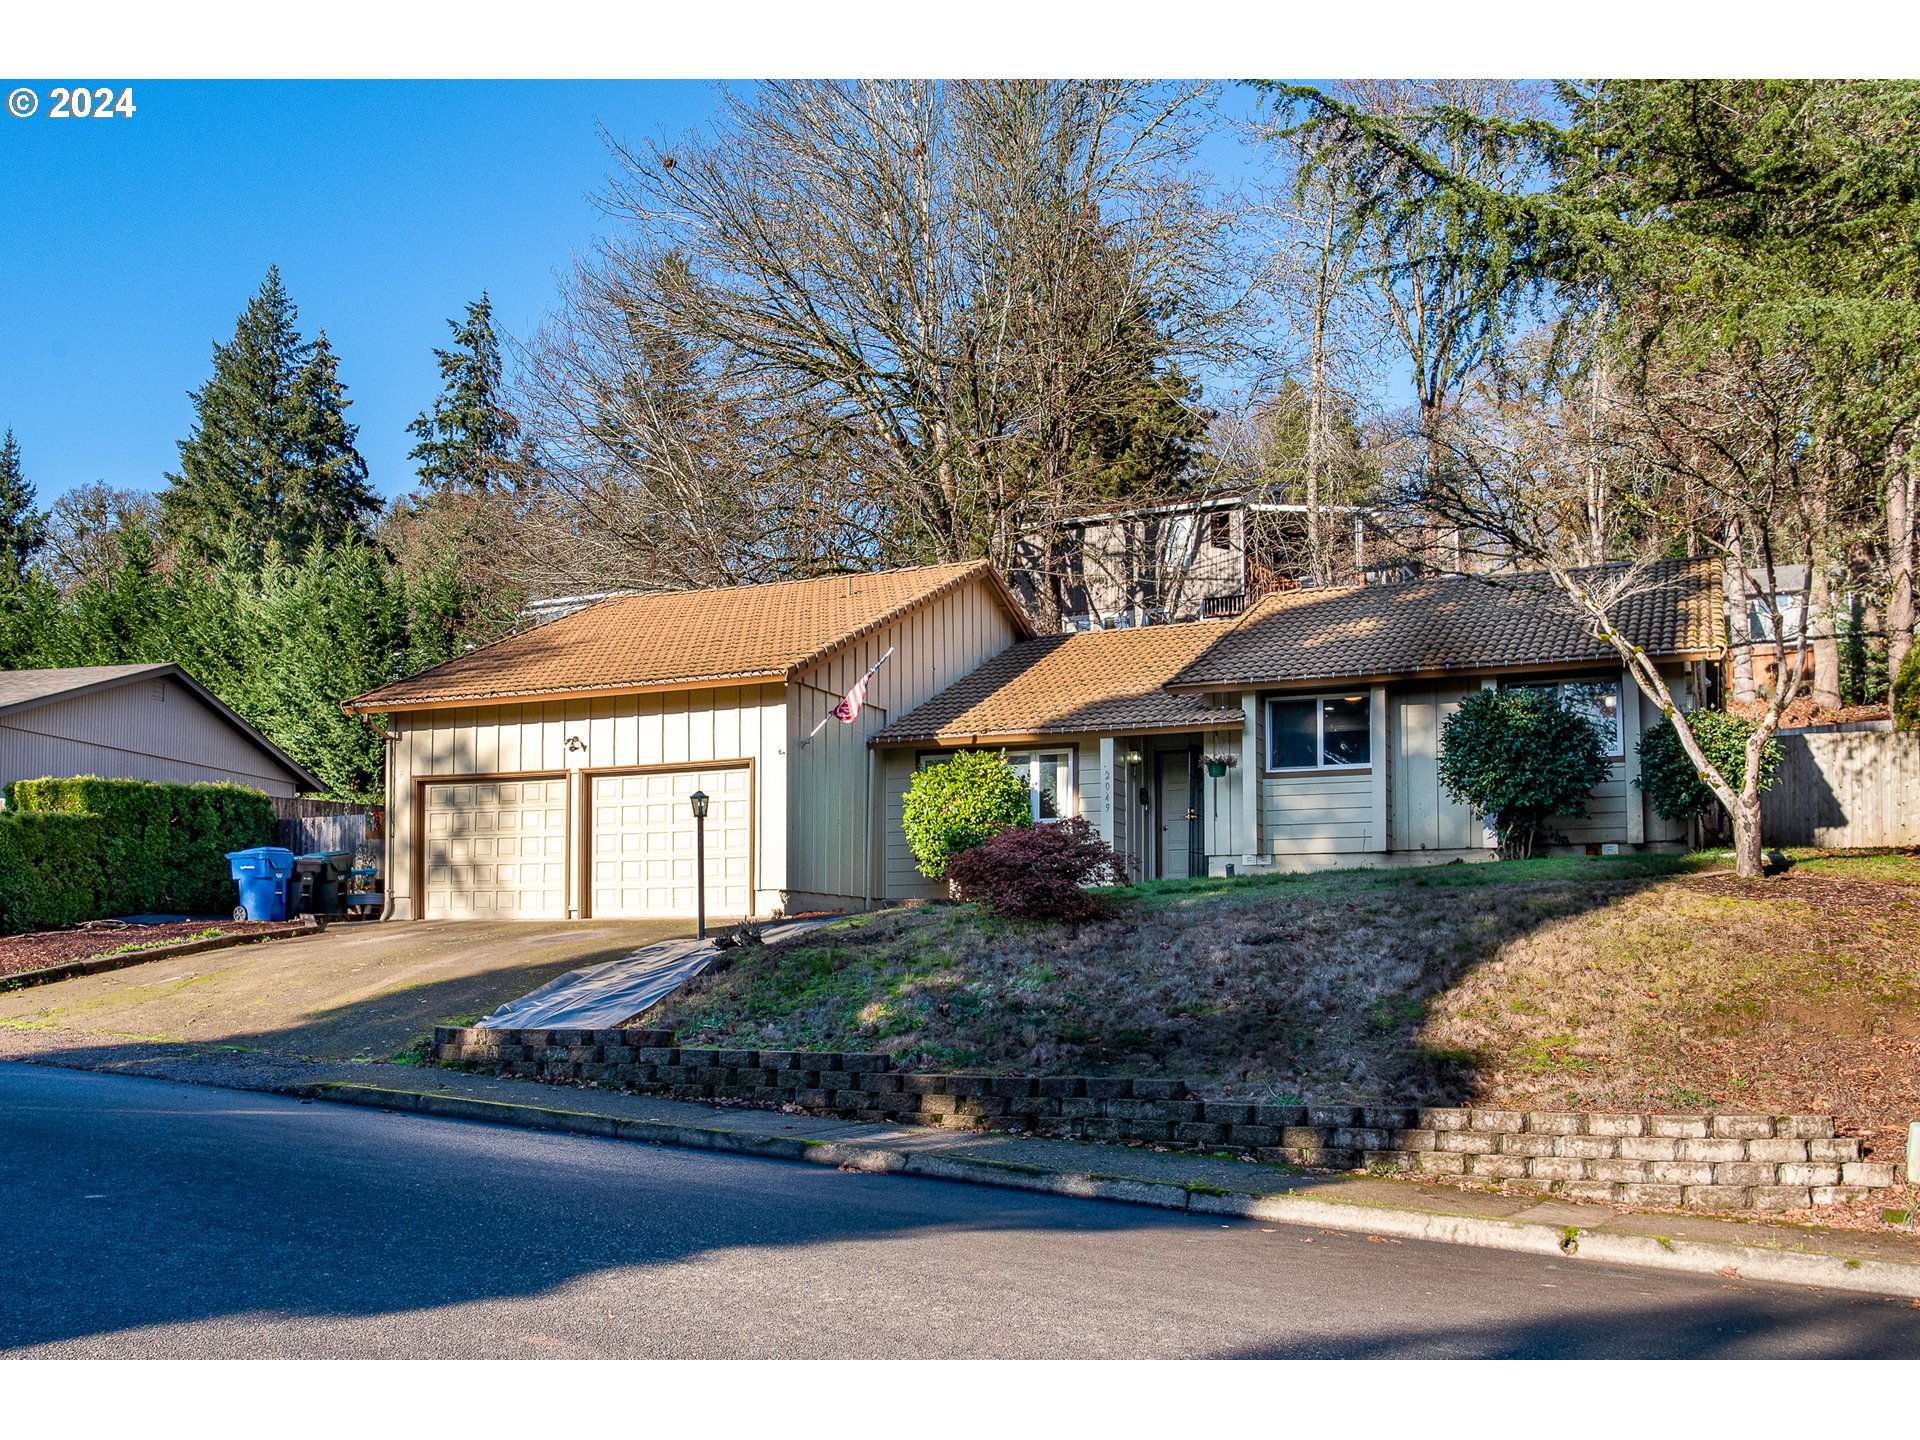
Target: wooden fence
(1846, 790)
(307, 826)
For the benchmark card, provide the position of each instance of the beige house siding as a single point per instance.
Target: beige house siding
(835, 858)
(146, 729)
(614, 733)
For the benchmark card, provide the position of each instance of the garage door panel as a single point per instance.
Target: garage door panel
(496, 850)
(643, 842)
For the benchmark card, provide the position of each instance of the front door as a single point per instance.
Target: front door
(1179, 814)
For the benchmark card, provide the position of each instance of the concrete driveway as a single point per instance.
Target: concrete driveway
(363, 990)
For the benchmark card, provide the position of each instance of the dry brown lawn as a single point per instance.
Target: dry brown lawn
(1644, 982)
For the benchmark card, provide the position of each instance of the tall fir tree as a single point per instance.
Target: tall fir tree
(22, 527)
(270, 459)
(27, 609)
(469, 438)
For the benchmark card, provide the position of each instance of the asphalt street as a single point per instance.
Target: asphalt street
(146, 1218)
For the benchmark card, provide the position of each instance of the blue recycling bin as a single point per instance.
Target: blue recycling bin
(261, 874)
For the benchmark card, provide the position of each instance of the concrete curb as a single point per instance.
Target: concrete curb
(99, 964)
(1697, 1257)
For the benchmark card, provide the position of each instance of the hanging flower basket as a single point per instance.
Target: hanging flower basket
(1218, 765)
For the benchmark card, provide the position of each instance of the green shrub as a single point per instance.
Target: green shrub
(164, 845)
(961, 803)
(1906, 692)
(1667, 774)
(1520, 756)
(50, 869)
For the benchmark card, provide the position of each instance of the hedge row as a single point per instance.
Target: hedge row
(49, 869)
(151, 847)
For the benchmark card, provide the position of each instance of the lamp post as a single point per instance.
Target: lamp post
(699, 802)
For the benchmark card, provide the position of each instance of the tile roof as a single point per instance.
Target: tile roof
(1458, 623)
(1105, 680)
(683, 638)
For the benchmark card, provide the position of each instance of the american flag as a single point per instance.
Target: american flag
(848, 710)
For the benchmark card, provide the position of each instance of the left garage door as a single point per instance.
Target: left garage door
(496, 850)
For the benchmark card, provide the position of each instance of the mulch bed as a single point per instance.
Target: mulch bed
(54, 947)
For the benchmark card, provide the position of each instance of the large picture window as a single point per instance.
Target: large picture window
(1599, 702)
(1326, 732)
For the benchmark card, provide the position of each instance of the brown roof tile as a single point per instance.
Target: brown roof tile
(1456, 623)
(683, 638)
(1096, 680)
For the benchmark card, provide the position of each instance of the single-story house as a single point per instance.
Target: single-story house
(1305, 732)
(134, 722)
(548, 775)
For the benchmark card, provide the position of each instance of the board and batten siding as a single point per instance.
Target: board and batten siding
(146, 729)
(835, 858)
(613, 733)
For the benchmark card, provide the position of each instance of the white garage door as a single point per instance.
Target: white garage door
(643, 842)
(496, 850)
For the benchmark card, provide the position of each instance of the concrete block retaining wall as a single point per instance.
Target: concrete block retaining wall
(1720, 1162)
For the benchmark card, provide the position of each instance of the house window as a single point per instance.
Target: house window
(1220, 530)
(1049, 778)
(1327, 732)
(1782, 610)
(1599, 702)
(1179, 546)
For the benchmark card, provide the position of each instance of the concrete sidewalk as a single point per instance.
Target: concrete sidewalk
(1870, 1262)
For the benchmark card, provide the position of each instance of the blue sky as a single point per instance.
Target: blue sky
(129, 246)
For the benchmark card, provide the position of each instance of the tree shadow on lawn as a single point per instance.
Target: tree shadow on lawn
(1315, 986)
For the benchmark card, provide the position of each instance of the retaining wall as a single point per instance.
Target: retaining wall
(1720, 1162)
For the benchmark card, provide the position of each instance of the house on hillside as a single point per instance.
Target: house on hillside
(548, 775)
(1305, 732)
(134, 722)
(1204, 557)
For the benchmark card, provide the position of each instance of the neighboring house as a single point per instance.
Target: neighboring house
(1320, 711)
(547, 775)
(1201, 558)
(134, 722)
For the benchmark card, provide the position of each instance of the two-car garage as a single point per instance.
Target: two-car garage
(500, 848)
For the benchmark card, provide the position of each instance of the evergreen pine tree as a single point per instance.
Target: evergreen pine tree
(22, 528)
(270, 458)
(334, 499)
(469, 437)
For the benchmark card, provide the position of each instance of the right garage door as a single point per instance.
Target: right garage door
(496, 850)
(643, 832)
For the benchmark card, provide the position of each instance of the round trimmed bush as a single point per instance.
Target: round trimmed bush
(1520, 756)
(1667, 773)
(961, 803)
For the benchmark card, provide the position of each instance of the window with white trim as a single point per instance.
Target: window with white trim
(1320, 732)
(1598, 702)
(1049, 779)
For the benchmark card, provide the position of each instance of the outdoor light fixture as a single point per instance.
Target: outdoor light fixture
(699, 802)
(1134, 757)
